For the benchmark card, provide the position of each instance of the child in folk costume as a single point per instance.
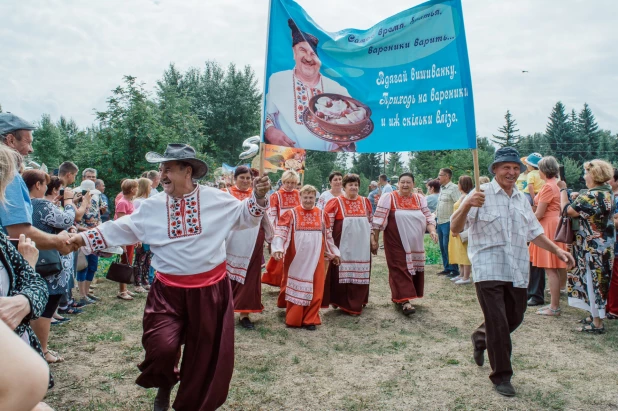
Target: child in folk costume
(244, 251)
(303, 234)
(284, 199)
(350, 215)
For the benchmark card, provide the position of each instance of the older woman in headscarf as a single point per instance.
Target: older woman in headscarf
(304, 228)
(286, 198)
(350, 215)
(244, 254)
(404, 217)
(593, 249)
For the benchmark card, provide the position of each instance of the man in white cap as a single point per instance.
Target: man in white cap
(190, 301)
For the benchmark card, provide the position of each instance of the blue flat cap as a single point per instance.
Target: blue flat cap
(10, 122)
(506, 155)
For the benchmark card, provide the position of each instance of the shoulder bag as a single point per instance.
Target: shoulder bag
(564, 231)
(119, 272)
(49, 263)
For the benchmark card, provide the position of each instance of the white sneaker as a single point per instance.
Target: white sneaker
(455, 279)
(462, 281)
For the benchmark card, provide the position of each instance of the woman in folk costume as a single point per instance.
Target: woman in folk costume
(244, 254)
(334, 179)
(404, 217)
(282, 200)
(303, 234)
(347, 285)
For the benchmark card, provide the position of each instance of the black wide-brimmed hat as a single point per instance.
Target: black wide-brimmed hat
(180, 152)
(506, 155)
(300, 36)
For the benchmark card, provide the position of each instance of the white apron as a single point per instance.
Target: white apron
(412, 225)
(308, 247)
(355, 248)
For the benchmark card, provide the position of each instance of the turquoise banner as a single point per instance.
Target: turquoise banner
(402, 85)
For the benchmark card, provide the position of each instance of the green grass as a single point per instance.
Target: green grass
(110, 336)
(432, 252)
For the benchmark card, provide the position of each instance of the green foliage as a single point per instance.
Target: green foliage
(394, 166)
(319, 165)
(559, 134)
(367, 164)
(572, 172)
(509, 137)
(48, 144)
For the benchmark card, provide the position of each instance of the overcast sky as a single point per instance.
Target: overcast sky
(63, 57)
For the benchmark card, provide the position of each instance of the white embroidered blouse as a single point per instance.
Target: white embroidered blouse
(186, 235)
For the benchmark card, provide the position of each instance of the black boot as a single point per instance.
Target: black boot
(162, 400)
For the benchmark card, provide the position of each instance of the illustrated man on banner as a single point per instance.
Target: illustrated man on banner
(289, 93)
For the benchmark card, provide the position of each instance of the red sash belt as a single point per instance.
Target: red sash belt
(200, 280)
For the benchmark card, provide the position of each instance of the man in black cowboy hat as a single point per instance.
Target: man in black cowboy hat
(501, 221)
(190, 301)
(289, 93)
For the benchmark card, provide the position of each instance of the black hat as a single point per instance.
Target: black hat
(300, 36)
(506, 155)
(180, 152)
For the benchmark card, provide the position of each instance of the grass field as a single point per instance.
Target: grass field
(378, 361)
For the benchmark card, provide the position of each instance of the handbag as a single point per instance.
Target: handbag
(119, 272)
(564, 231)
(49, 263)
(82, 263)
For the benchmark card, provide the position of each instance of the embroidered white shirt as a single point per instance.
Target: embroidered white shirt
(287, 99)
(497, 236)
(186, 235)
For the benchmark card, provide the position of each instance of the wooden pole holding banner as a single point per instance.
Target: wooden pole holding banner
(302, 179)
(475, 159)
(262, 159)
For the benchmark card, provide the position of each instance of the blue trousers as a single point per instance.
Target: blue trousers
(88, 273)
(443, 235)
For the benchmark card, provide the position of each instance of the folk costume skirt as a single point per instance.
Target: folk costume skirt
(203, 320)
(274, 273)
(348, 297)
(299, 315)
(404, 286)
(248, 296)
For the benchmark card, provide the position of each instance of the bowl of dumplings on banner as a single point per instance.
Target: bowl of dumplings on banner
(337, 118)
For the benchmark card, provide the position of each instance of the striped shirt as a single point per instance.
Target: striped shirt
(498, 233)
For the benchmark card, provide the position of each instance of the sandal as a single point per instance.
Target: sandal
(587, 320)
(408, 308)
(56, 357)
(611, 316)
(592, 329)
(550, 312)
(124, 296)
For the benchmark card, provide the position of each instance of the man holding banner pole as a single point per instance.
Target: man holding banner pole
(500, 221)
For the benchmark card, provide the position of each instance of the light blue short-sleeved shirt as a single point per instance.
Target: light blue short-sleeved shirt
(17, 209)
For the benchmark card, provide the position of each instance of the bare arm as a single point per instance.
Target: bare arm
(546, 244)
(43, 240)
(540, 210)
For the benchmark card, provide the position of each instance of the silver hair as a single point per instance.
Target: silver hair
(549, 166)
(89, 170)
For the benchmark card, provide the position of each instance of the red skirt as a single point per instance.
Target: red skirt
(404, 286)
(248, 296)
(274, 273)
(349, 297)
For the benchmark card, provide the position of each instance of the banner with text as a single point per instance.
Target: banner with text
(402, 85)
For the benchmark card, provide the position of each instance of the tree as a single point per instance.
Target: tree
(394, 165)
(572, 172)
(558, 133)
(367, 164)
(319, 165)
(589, 134)
(48, 144)
(509, 137)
